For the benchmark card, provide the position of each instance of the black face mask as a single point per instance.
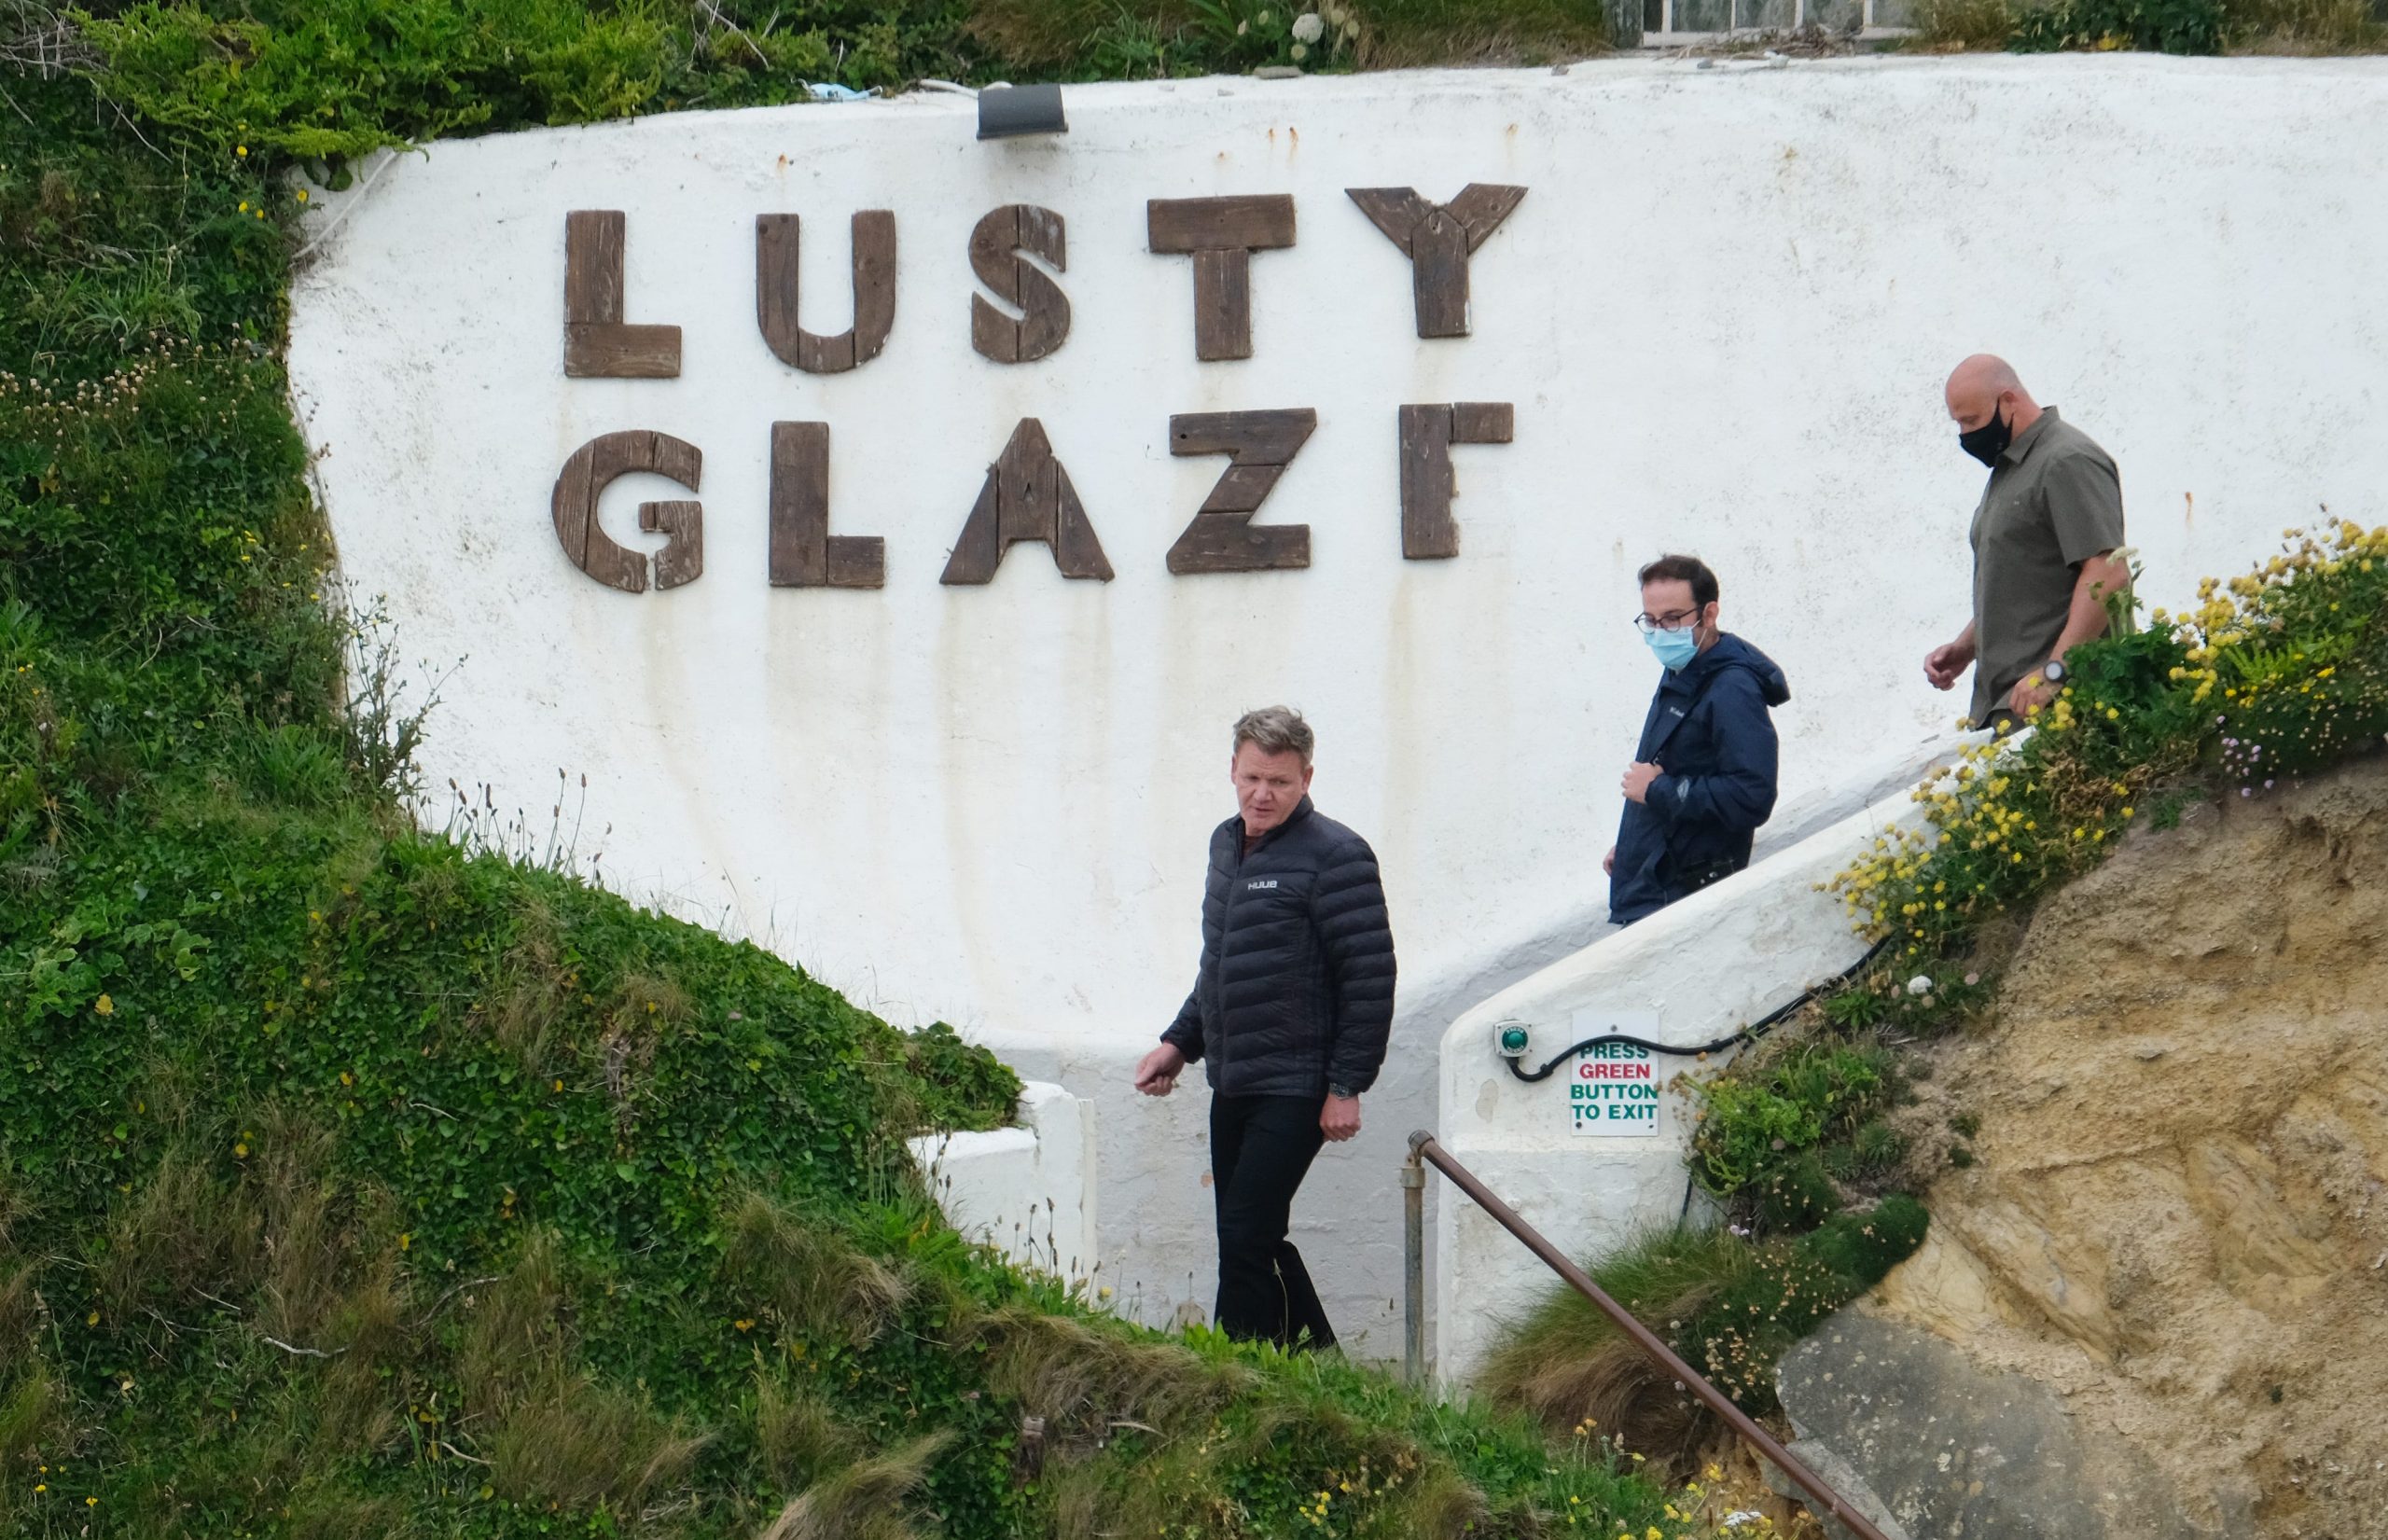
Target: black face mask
(1989, 441)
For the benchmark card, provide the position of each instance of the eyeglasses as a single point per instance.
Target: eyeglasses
(1672, 620)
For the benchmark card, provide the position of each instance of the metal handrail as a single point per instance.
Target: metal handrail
(1423, 1147)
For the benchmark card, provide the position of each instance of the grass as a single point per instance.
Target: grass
(1569, 1366)
(1728, 1306)
(359, 1181)
(2166, 26)
(1094, 39)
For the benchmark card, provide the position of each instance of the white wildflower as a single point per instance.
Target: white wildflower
(1920, 984)
(1308, 27)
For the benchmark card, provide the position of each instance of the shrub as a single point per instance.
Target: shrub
(2161, 26)
(1730, 1307)
(1745, 1330)
(2283, 669)
(1762, 1126)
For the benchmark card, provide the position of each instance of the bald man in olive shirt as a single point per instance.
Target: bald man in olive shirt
(2044, 536)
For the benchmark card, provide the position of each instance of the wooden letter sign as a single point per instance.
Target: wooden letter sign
(597, 344)
(993, 246)
(1427, 434)
(1222, 537)
(1220, 234)
(1027, 496)
(803, 553)
(1438, 237)
(775, 294)
(585, 478)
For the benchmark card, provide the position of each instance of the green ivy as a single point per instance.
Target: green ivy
(356, 1181)
(1756, 1126)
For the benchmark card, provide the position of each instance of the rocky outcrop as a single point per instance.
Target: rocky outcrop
(2176, 1226)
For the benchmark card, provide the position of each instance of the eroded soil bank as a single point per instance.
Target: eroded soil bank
(2178, 1216)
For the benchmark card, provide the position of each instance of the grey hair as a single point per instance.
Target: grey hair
(1277, 729)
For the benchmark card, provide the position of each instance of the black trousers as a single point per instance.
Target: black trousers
(1261, 1148)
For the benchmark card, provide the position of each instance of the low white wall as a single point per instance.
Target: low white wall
(1690, 974)
(1029, 1189)
(1723, 312)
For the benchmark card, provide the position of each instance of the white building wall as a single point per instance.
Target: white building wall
(1723, 313)
(1690, 975)
(1029, 1189)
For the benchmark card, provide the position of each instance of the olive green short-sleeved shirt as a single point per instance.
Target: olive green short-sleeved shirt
(2054, 501)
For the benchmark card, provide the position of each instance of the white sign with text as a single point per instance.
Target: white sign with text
(1612, 1088)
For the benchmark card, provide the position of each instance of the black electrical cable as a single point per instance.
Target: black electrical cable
(1745, 1034)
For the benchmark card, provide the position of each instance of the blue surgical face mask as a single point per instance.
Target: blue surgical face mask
(1674, 648)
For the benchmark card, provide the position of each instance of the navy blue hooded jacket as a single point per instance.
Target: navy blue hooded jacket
(1710, 731)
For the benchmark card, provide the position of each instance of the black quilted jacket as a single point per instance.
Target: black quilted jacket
(1295, 992)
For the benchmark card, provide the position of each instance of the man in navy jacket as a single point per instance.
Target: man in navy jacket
(1291, 1005)
(1702, 780)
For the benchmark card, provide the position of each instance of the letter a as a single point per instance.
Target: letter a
(1027, 496)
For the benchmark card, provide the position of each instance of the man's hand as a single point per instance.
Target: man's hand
(1156, 1071)
(1638, 777)
(2030, 694)
(1945, 664)
(1339, 1119)
(1608, 862)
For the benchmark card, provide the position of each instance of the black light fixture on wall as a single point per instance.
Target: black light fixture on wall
(1007, 111)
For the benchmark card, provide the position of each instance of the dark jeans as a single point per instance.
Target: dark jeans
(1261, 1148)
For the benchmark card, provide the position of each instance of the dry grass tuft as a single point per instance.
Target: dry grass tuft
(645, 1009)
(658, 1002)
(1082, 1374)
(353, 1409)
(345, 1516)
(1442, 1505)
(1422, 34)
(863, 1502)
(514, 1329)
(797, 1435)
(29, 1416)
(1952, 26)
(179, 1234)
(1049, 33)
(14, 1208)
(820, 1284)
(303, 1250)
(577, 1444)
(1612, 1387)
(19, 1315)
(1568, 1367)
(2303, 27)
(533, 987)
(1052, 35)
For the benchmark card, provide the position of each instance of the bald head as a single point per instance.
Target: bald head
(1985, 386)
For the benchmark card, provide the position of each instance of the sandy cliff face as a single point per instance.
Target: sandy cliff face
(2179, 1215)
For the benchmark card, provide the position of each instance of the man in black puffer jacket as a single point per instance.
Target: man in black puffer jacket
(1289, 1013)
(1702, 780)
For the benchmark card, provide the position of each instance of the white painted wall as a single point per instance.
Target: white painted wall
(1723, 312)
(1724, 957)
(1029, 1189)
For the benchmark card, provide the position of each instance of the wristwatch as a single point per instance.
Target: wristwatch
(2054, 671)
(1341, 1092)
